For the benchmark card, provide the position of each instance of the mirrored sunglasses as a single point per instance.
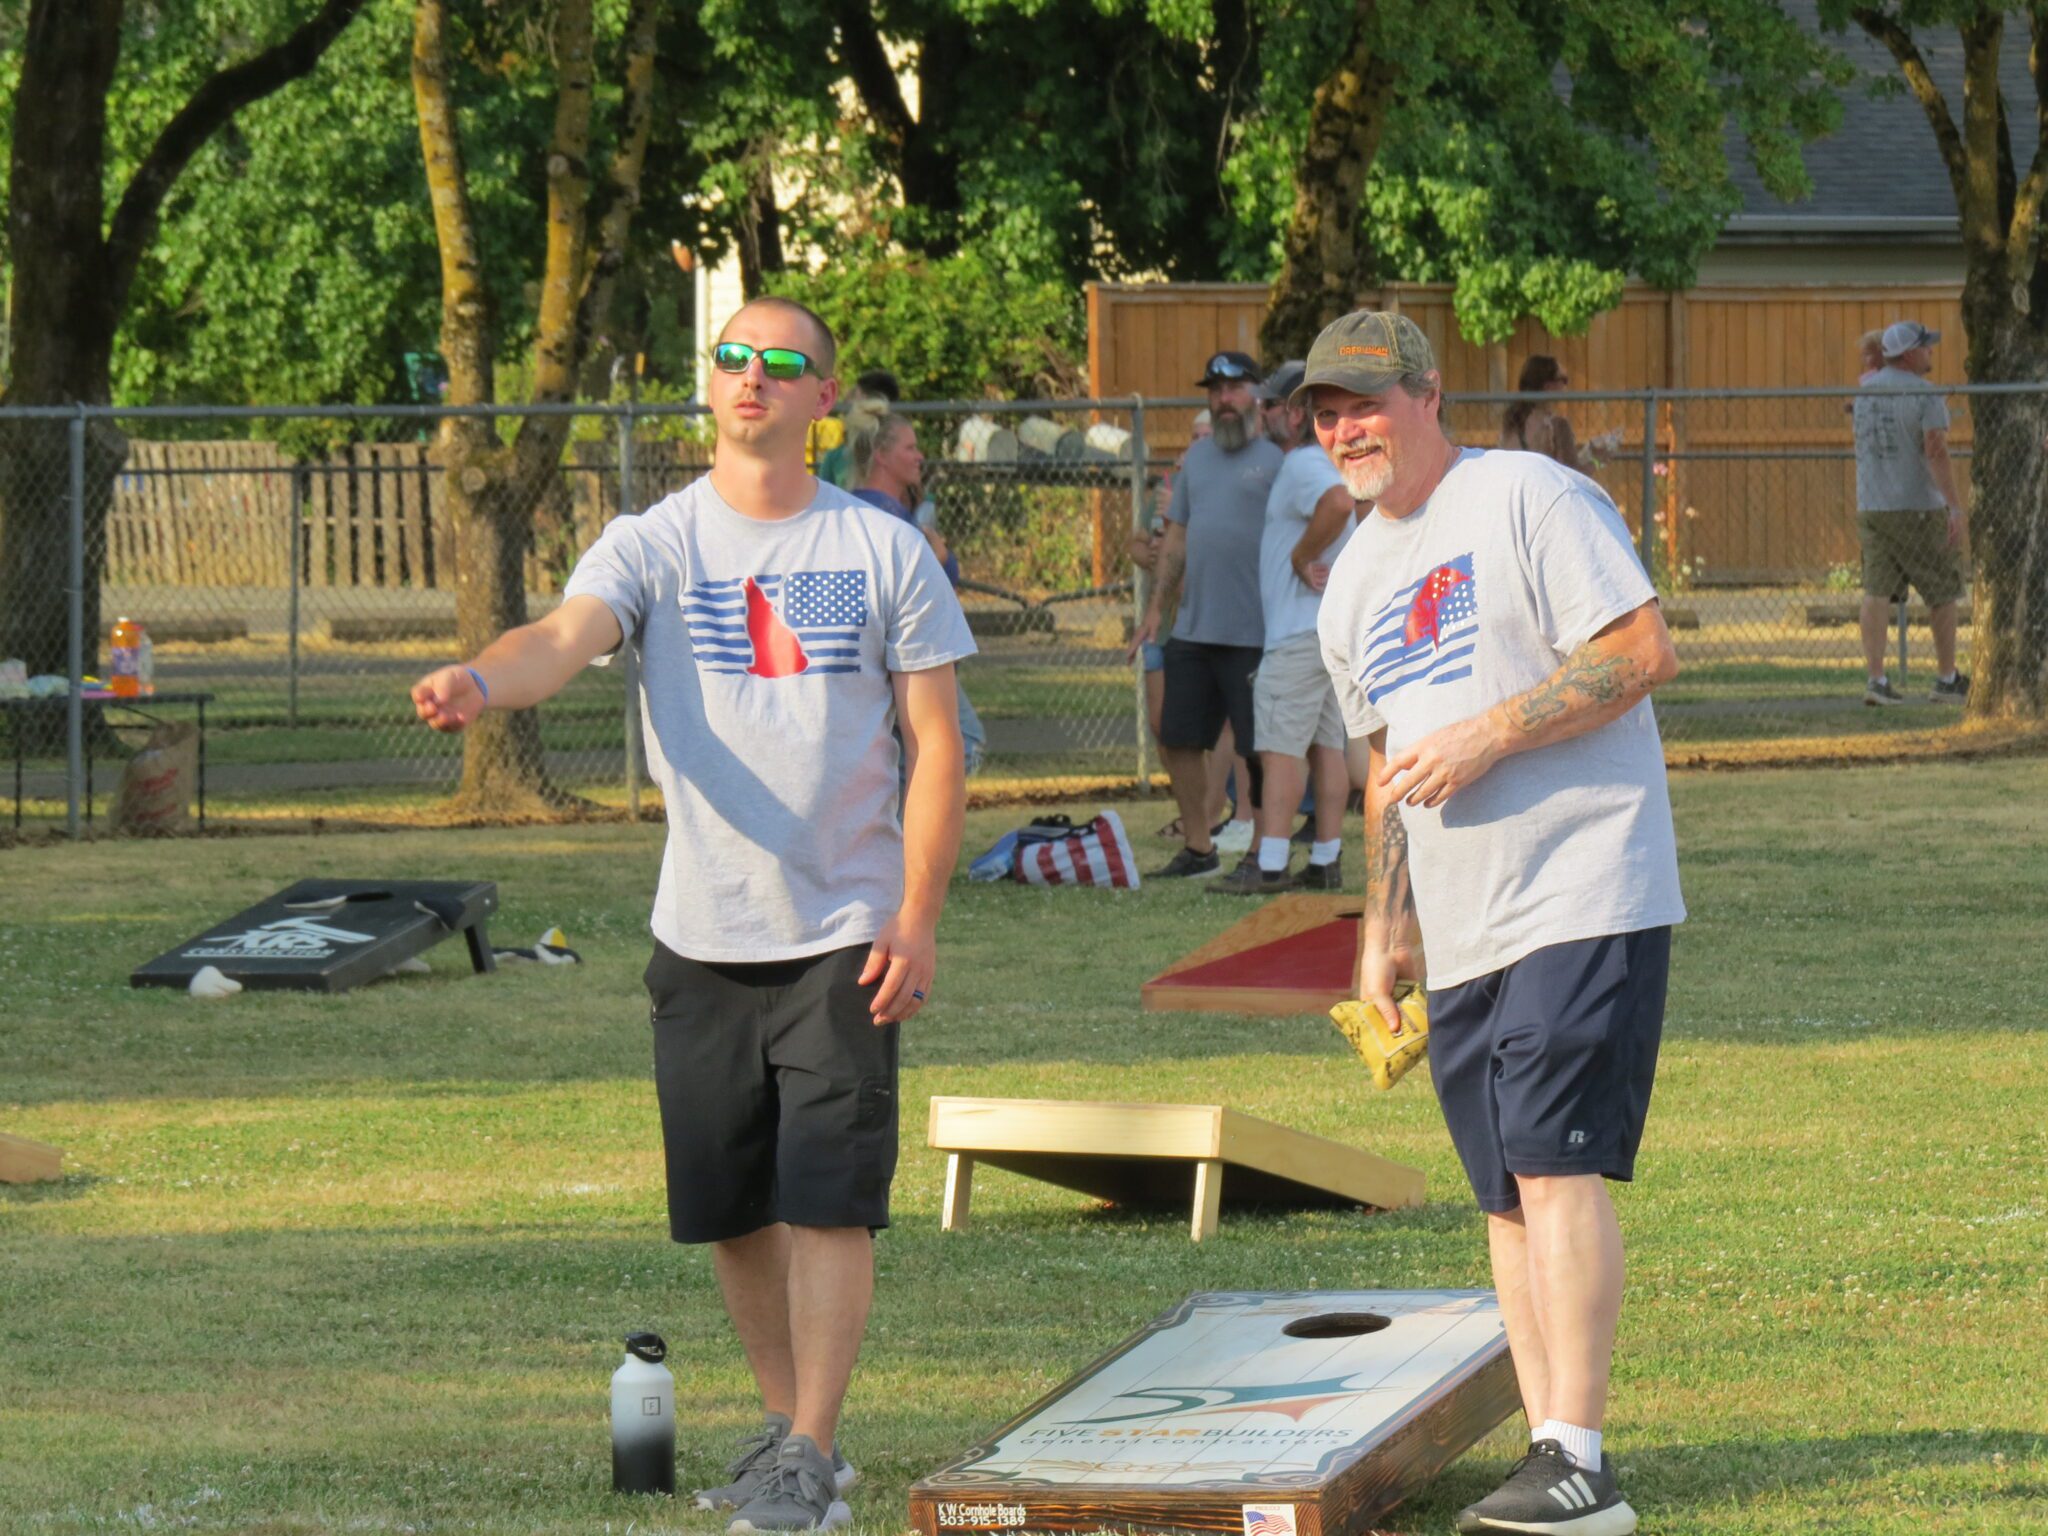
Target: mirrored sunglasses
(776, 362)
(1221, 367)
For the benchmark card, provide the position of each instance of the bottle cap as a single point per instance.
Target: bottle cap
(647, 1346)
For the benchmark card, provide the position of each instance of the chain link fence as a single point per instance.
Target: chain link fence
(297, 570)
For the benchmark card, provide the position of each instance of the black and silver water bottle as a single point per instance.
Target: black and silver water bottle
(644, 1419)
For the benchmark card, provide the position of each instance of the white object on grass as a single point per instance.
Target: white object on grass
(208, 981)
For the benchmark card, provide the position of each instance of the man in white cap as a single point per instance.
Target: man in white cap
(1494, 639)
(1908, 512)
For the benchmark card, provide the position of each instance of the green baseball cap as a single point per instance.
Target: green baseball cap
(1365, 351)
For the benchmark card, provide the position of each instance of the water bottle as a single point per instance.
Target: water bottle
(644, 1419)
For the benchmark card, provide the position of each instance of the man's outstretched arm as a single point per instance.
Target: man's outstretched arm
(521, 667)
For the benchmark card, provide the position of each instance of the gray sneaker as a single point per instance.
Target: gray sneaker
(1881, 694)
(1955, 691)
(800, 1493)
(747, 1471)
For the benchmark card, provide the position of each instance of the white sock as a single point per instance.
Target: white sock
(1325, 853)
(1949, 676)
(1879, 680)
(1581, 1446)
(1272, 854)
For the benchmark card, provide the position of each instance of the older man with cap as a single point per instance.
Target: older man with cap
(1908, 513)
(1211, 549)
(1494, 638)
(1294, 709)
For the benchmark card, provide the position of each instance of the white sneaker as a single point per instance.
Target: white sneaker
(1236, 838)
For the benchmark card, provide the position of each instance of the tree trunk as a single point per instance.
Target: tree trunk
(2008, 504)
(760, 222)
(1327, 260)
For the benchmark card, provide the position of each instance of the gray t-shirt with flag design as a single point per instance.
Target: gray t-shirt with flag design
(766, 650)
(1476, 596)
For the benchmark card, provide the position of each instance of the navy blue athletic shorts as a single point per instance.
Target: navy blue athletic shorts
(1544, 1067)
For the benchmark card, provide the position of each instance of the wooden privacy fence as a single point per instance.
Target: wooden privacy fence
(219, 514)
(1769, 483)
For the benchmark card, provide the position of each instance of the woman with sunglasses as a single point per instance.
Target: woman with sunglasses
(787, 633)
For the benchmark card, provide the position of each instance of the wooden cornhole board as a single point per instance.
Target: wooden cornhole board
(1295, 954)
(330, 935)
(1158, 1154)
(28, 1162)
(1261, 1413)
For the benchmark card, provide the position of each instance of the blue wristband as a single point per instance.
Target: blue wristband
(482, 687)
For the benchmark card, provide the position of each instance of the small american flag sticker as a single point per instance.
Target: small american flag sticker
(1269, 1520)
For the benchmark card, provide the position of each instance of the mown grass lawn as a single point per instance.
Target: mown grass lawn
(362, 1263)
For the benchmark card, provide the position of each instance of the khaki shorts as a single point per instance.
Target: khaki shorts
(1909, 547)
(1294, 704)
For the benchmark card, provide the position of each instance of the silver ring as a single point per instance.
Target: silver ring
(917, 994)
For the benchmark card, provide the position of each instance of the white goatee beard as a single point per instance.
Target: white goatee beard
(1229, 432)
(1369, 481)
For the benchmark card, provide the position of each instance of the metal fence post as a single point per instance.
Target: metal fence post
(1646, 537)
(298, 547)
(1902, 643)
(1141, 584)
(631, 656)
(74, 709)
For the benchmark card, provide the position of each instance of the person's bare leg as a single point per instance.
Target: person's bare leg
(1281, 793)
(753, 1276)
(1155, 701)
(1877, 622)
(1575, 1279)
(1507, 1239)
(1333, 787)
(1942, 621)
(1188, 769)
(831, 1283)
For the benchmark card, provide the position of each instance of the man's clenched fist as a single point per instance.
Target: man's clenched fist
(448, 699)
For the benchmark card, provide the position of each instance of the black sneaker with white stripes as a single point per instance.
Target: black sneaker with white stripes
(1547, 1491)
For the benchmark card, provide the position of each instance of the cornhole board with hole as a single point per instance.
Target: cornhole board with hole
(1277, 1413)
(330, 935)
(28, 1162)
(1295, 954)
(1158, 1154)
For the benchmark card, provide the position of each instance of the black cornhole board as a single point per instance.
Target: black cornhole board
(330, 935)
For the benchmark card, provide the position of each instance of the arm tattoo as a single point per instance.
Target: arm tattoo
(1590, 678)
(1386, 871)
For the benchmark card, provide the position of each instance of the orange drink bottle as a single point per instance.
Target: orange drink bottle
(124, 661)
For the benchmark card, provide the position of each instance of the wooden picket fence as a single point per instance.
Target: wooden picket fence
(219, 514)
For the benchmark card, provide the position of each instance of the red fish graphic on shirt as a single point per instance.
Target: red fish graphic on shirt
(1424, 612)
(777, 650)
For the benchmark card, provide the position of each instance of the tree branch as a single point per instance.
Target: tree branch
(1982, 224)
(622, 178)
(210, 108)
(1946, 138)
(874, 77)
(568, 236)
(465, 290)
(2025, 229)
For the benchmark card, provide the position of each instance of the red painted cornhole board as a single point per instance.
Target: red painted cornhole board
(1295, 954)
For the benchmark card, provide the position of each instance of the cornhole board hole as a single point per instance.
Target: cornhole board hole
(1277, 1413)
(28, 1162)
(330, 935)
(1295, 954)
(1158, 1154)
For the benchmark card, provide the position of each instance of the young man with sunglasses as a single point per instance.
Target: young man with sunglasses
(786, 632)
(1210, 557)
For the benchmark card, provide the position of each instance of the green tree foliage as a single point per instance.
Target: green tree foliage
(951, 328)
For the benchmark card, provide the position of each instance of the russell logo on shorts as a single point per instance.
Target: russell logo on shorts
(808, 622)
